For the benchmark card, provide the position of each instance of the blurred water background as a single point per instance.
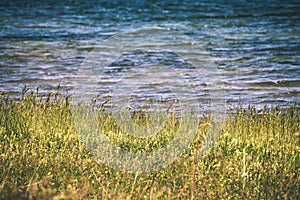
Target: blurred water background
(254, 45)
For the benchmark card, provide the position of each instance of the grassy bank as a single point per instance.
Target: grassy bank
(42, 157)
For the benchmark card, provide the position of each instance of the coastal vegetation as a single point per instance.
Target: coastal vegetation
(42, 156)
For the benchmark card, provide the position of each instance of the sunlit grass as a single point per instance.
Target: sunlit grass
(42, 157)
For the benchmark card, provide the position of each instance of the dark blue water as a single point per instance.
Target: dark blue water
(254, 45)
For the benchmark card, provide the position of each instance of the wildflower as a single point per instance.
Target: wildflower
(249, 158)
(244, 174)
(220, 154)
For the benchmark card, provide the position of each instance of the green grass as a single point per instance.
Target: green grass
(42, 157)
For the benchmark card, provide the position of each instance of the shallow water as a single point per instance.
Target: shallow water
(252, 48)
